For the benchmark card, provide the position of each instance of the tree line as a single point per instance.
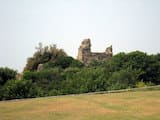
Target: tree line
(62, 74)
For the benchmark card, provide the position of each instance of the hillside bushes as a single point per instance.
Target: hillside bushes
(6, 74)
(16, 89)
(62, 74)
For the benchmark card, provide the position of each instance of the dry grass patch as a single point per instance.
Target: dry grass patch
(121, 106)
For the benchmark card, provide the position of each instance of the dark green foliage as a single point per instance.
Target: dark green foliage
(6, 74)
(149, 65)
(63, 61)
(45, 77)
(85, 80)
(125, 78)
(62, 74)
(76, 63)
(118, 61)
(43, 55)
(152, 70)
(51, 57)
(133, 60)
(15, 89)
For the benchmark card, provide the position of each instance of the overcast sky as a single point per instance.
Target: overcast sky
(128, 25)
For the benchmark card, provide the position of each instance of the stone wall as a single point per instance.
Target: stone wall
(86, 56)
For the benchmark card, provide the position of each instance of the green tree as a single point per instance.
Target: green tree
(16, 89)
(152, 70)
(63, 61)
(43, 55)
(123, 79)
(6, 74)
(45, 77)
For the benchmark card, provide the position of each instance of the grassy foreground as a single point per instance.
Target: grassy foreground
(141, 105)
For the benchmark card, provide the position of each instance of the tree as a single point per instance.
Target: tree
(44, 77)
(152, 70)
(63, 61)
(6, 74)
(16, 89)
(117, 62)
(123, 79)
(43, 55)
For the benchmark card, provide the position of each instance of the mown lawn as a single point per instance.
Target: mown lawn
(115, 106)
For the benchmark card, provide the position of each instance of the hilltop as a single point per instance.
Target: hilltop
(51, 72)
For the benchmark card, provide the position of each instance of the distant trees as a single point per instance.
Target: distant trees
(125, 78)
(152, 70)
(62, 74)
(63, 62)
(80, 80)
(43, 55)
(133, 60)
(147, 65)
(16, 89)
(6, 74)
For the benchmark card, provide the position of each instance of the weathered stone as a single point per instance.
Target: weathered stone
(40, 67)
(86, 56)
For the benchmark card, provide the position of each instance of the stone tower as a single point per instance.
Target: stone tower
(86, 56)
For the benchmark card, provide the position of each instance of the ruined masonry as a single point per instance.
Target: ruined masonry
(86, 56)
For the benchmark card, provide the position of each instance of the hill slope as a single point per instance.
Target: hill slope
(142, 105)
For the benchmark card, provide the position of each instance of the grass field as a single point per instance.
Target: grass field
(142, 105)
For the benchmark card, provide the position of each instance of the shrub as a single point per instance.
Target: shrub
(6, 74)
(123, 79)
(140, 84)
(16, 89)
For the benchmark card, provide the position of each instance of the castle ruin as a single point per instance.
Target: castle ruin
(86, 56)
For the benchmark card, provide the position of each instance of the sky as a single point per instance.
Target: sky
(127, 25)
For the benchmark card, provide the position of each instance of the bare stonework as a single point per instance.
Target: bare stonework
(40, 67)
(86, 56)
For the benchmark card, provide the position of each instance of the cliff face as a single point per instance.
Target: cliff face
(86, 56)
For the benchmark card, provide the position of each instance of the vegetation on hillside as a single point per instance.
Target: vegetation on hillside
(62, 74)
